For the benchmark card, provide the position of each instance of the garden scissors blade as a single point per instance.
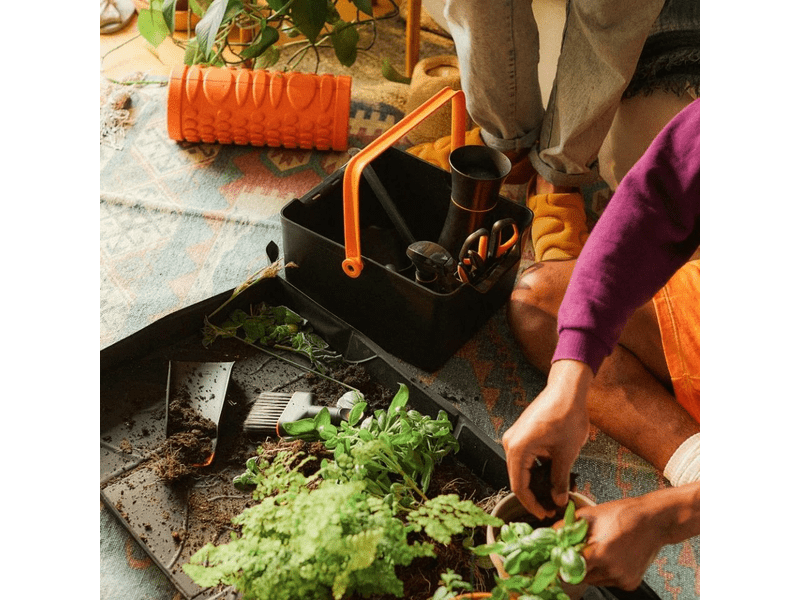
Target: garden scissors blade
(473, 255)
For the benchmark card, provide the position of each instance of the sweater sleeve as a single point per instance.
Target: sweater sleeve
(649, 229)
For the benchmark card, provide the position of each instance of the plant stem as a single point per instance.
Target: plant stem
(102, 58)
(294, 364)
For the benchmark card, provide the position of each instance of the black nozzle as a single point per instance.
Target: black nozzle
(435, 265)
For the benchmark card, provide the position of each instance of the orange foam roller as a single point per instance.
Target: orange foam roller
(259, 108)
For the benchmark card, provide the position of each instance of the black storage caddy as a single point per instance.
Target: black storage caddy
(416, 324)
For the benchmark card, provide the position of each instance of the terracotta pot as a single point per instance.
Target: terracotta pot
(509, 509)
(260, 108)
(473, 596)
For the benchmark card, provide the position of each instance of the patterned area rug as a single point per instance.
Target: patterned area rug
(182, 222)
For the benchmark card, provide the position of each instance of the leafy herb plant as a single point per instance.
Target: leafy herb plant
(394, 451)
(343, 529)
(276, 327)
(309, 25)
(538, 560)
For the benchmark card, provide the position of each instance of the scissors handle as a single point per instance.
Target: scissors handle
(498, 247)
(473, 255)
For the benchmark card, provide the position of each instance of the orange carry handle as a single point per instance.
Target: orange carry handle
(352, 264)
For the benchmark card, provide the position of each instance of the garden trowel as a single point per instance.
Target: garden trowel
(195, 397)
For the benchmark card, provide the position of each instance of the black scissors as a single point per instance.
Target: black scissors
(473, 255)
(484, 247)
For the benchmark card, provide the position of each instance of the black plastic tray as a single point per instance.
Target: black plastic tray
(133, 387)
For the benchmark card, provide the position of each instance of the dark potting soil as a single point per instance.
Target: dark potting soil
(542, 488)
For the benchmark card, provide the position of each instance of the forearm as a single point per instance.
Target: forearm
(676, 511)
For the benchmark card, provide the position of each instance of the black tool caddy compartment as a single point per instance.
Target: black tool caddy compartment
(416, 324)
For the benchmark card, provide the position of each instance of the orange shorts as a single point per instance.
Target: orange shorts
(677, 307)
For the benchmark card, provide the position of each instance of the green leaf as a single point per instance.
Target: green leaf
(152, 26)
(345, 40)
(323, 418)
(197, 8)
(168, 10)
(364, 6)
(266, 37)
(192, 56)
(268, 58)
(253, 330)
(327, 431)
(513, 562)
(545, 575)
(573, 566)
(356, 413)
(309, 17)
(300, 427)
(390, 73)
(400, 400)
(203, 576)
(576, 532)
(521, 529)
(569, 513)
(207, 28)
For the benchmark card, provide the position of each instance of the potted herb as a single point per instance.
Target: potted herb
(533, 561)
(273, 30)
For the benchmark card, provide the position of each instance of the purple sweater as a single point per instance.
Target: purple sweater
(649, 229)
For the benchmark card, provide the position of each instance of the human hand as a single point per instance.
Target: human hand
(554, 426)
(626, 535)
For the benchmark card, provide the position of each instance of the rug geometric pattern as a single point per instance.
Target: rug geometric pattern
(182, 222)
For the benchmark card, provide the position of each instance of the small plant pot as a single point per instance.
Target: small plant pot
(473, 596)
(509, 509)
(259, 108)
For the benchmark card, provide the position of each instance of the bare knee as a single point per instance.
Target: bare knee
(543, 285)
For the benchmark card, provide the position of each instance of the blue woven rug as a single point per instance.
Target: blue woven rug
(182, 222)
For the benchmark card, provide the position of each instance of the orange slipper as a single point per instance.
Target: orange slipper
(438, 153)
(559, 229)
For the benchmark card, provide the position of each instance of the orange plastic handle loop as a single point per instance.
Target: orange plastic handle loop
(352, 264)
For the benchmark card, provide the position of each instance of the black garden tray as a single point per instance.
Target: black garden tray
(133, 387)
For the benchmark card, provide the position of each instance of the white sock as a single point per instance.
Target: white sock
(684, 466)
